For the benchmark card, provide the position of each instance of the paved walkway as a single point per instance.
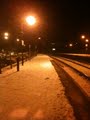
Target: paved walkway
(33, 93)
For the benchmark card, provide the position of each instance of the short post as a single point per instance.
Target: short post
(10, 61)
(22, 59)
(22, 52)
(0, 68)
(0, 65)
(17, 63)
(29, 51)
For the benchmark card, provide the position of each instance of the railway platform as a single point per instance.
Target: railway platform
(34, 93)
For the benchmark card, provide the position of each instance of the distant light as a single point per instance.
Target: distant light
(18, 40)
(31, 20)
(87, 40)
(83, 36)
(6, 34)
(70, 44)
(86, 45)
(39, 38)
(22, 42)
(53, 49)
(6, 37)
(12, 53)
(53, 43)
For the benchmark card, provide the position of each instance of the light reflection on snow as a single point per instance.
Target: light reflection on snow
(22, 113)
(46, 65)
(39, 115)
(19, 113)
(0, 110)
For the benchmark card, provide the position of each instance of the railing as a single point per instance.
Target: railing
(13, 60)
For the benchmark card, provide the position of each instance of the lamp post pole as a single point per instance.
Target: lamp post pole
(0, 65)
(22, 41)
(31, 21)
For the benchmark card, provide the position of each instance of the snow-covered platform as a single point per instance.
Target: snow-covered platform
(33, 93)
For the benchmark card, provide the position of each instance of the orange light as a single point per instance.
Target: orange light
(31, 20)
(18, 40)
(87, 40)
(39, 38)
(46, 65)
(70, 44)
(83, 36)
(53, 49)
(86, 45)
(6, 34)
(6, 37)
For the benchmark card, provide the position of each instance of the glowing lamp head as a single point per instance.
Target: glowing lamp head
(39, 38)
(86, 45)
(18, 40)
(83, 36)
(6, 34)
(87, 40)
(53, 49)
(6, 37)
(70, 44)
(31, 20)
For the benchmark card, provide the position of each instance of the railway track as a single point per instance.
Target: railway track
(81, 69)
(79, 63)
(78, 98)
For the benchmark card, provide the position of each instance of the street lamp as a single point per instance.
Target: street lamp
(39, 38)
(30, 20)
(86, 45)
(70, 45)
(83, 36)
(18, 40)
(86, 40)
(6, 35)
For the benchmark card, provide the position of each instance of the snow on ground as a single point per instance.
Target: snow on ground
(83, 55)
(78, 67)
(83, 84)
(79, 80)
(34, 93)
(77, 62)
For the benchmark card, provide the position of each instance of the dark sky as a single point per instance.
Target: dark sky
(58, 20)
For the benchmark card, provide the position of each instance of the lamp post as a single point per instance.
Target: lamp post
(83, 36)
(70, 45)
(86, 42)
(6, 35)
(31, 21)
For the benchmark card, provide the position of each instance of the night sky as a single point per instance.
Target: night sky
(58, 20)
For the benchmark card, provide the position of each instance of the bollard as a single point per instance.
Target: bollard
(22, 59)
(0, 66)
(17, 63)
(10, 61)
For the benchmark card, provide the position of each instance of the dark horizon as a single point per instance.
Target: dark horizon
(60, 22)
